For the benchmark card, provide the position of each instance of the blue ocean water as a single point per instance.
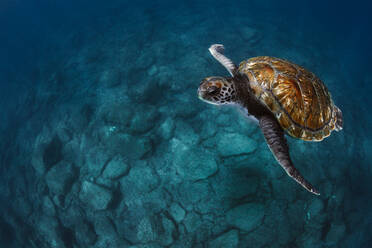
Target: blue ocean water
(104, 142)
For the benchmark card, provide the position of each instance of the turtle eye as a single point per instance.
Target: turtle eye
(212, 90)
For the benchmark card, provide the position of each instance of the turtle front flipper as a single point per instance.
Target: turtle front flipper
(274, 136)
(217, 52)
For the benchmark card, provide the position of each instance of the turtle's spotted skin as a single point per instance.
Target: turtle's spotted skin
(282, 97)
(298, 99)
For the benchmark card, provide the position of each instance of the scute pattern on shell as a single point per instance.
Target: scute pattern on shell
(298, 99)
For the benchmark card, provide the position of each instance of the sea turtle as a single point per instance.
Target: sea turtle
(281, 96)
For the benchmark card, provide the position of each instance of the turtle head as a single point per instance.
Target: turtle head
(217, 90)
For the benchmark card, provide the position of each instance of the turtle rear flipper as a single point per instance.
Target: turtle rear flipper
(274, 136)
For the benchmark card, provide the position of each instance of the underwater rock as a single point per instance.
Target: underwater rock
(48, 206)
(316, 220)
(246, 217)
(177, 212)
(47, 151)
(192, 222)
(309, 242)
(166, 129)
(95, 196)
(59, 178)
(209, 129)
(223, 119)
(192, 163)
(22, 204)
(63, 132)
(59, 201)
(315, 208)
(264, 153)
(37, 159)
(310, 237)
(106, 182)
(185, 241)
(263, 236)
(104, 242)
(185, 98)
(144, 60)
(297, 208)
(126, 225)
(336, 199)
(235, 183)
(82, 117)
(116, 168)
(335, 233)
(245, 125)
(209, 144)
(167, 236)
(72, 215)
(209, 205)
(152, 71)
(146, 230)
(232, 144)
(96, 159)
(229, 239)
(53, 152)
(140, 226)
(141, 178)
(143, 119)
(104, 226)
(191, 193)
(284, 184)
(106, 233)
(112, 78)
(146, 246)
(284, 234)
(203, 232)
(85, 234)
(186, 133)
(51, 231)
(71, 152)
(131, 147)
(117, 114)
(134, 198)
(281, 234)
(107, 132)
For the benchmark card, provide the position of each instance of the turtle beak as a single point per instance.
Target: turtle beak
(201, 93)
(200, 96)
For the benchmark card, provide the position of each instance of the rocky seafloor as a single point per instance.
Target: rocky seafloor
(116, 150)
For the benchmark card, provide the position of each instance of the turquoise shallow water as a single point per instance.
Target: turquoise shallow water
(104, 142)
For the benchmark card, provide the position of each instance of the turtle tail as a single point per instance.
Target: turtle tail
(339, 121)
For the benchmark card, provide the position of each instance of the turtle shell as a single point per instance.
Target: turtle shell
(299, 100)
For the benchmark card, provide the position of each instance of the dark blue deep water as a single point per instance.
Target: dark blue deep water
(104, 142)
